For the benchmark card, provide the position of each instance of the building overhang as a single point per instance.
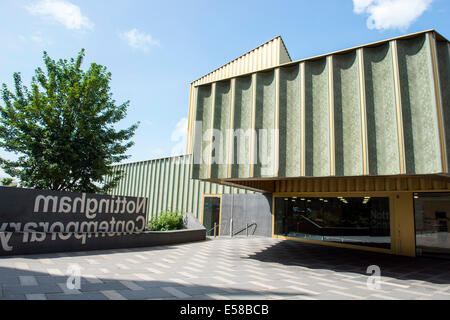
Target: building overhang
(404, 183)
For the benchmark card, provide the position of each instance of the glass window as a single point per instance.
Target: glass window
(432, 220)
(358, 221)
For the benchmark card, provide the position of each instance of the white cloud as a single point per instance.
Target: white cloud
(179, 135)
(139, 40)
(61, 11)
(391, 14)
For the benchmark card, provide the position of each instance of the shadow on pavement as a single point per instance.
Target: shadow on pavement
(293, 253)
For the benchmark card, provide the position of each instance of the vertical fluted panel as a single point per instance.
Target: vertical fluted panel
(382, 134)
(221, 124)
(347, 115)
(420, 123)
(443, 57)
(203, 117)
(265, 124)
(317, 126)
(290, 122)
(242, 123)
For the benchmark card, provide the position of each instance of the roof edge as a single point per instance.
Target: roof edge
(371, 44)
(261, 45)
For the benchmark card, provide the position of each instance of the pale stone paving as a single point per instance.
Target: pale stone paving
(224, 269)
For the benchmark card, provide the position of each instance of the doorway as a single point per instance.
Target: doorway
(211, 214)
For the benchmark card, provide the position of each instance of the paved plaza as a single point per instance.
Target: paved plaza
(239, 268)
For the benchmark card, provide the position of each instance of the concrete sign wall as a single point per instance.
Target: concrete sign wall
(36, 221)
(44, 220)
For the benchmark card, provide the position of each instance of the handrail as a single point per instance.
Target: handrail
(322, 227)
(216, 225)
(246, 228)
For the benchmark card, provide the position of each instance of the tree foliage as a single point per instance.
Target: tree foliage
(6, 181)
(63, 128)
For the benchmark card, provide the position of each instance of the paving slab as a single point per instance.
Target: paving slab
(224, 268)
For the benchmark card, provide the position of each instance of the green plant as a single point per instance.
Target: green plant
(166, 220)
(7, 181)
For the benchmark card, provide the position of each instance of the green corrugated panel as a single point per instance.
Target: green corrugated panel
(381, 111)
(158, 184)
(420, 119)
(265, 124)
(242, 124)
(290, 122)
(167, 185)
(169, 199)
(146, 179)
(141, 179)
(222, 109)
(175, 185)
(317, 115)
(347, 115)
(335, 96)
(182, 184)
(153, 191)
(137, 178)
(186, 186)
(443, 53)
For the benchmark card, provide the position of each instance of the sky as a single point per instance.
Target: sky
(155, 49)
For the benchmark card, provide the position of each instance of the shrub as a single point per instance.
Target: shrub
(166, 220)
(7, 181)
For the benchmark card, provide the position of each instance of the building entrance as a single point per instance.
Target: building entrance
(211, 214)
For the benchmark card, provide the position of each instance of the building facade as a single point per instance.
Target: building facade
(347, 149)
(353, 145)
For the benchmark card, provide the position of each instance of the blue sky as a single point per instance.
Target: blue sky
(155, 49)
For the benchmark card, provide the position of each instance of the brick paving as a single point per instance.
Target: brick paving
(239, 268)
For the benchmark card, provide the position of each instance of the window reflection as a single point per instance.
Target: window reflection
(361, 221)
(432, 219)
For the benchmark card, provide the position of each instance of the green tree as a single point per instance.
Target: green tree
(7, 181)
(63, 128)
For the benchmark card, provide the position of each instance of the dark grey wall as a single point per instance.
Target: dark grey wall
(247, 208)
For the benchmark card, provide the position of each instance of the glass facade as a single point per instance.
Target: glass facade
(432, 220)
(357, 221)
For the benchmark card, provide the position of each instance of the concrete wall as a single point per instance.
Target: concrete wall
(255, 209)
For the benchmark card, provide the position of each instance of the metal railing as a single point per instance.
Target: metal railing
(249, 225)
(216, 225)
